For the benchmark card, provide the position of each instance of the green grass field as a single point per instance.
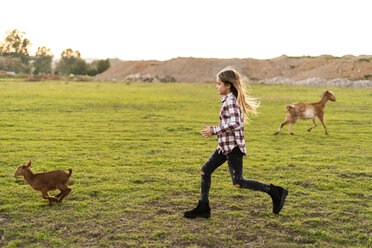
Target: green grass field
(136, 153)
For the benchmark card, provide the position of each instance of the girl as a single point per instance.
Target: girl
(231, 144)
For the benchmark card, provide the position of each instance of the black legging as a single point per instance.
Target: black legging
(235, 162)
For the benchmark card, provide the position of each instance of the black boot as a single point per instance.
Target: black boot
(202, 210)
(278, 195)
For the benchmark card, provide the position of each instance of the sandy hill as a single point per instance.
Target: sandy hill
(204, 69)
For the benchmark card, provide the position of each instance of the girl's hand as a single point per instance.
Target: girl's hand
(207, 131)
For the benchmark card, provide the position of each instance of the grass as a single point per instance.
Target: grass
(136, 152)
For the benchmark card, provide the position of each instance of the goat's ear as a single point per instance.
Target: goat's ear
(28, 163)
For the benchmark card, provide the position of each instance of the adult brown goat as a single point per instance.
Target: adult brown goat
(46, 181)
(303, 110)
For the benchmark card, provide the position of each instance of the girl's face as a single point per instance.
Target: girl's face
(223, 89)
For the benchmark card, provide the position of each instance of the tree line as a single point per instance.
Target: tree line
(15, 56)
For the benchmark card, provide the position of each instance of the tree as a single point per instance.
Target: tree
(98, 66)
(69, 53)
(16, 46)
(80, 67)
(42, 61)
(12, 64)
(91, 70)
(15, 50)
(67, 61)
(103, 65)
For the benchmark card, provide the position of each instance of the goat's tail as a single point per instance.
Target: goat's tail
(69, 172)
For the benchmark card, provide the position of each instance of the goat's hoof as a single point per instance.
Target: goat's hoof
(276, 133)
(292, 133)
(309, 129)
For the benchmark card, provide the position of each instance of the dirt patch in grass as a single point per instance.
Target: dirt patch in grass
(3, 220)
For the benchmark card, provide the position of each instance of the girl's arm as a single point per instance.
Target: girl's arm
(231, 116)
(207, 131)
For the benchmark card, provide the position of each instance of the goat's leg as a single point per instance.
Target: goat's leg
(59, 194)
(289, 128)
(62, 196)
(281, 126)
(65, 194)
(322, 121)
(47, 196)
(312, 126)
(65, 190)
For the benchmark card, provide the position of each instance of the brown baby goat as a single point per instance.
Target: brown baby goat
(303, 110)
(46, 181)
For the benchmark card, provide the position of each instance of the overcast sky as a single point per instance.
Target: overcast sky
(164, 29)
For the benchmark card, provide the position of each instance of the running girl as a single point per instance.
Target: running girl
(231, 144)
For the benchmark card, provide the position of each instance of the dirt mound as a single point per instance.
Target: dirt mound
(205, 69)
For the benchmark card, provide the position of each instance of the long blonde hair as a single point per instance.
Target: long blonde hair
(247, 104)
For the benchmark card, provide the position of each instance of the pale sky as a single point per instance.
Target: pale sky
(165, 29)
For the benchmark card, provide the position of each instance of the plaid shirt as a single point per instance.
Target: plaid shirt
(230, 132)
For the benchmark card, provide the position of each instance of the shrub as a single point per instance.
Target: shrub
(35, 78)
(368, 76)
(364, 59)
